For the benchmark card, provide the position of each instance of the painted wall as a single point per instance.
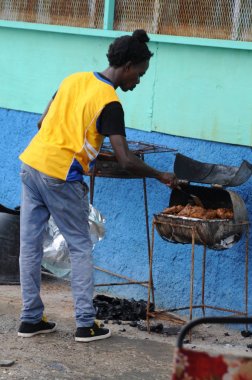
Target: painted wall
(190, 90)
(124, 248)
(203, 92)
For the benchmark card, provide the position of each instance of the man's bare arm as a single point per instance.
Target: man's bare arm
(44, 114)
(130, 162)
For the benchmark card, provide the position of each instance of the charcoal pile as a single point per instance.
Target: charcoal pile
(120, 309)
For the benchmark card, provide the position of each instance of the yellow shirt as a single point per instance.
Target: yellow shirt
(69, 129)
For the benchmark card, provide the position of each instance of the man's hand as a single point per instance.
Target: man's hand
(169, 179)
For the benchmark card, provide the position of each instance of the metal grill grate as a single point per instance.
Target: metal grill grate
(79, 13)
(137, 147)
(224, 19)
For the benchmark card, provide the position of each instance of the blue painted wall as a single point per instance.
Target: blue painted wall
(124, 248)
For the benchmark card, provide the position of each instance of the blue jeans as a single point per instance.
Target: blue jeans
(68, 204)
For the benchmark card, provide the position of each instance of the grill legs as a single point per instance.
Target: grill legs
(166, 314)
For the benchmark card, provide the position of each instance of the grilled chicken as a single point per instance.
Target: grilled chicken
(199, 212)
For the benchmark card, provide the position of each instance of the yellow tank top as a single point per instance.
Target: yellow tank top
(69, 130)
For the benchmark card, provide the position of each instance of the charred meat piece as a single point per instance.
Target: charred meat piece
(193, 212)
(211, 214)
(198, 212)
(224, 213)
(173, 210)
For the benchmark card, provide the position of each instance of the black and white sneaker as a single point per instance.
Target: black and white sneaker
(89, 334)
(27, 330)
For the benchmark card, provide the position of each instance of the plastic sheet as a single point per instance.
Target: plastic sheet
(56, 258)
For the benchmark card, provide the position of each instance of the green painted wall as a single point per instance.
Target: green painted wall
(204, 92)
(190, 89)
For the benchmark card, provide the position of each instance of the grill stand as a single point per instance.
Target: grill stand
(127, 280)
(166, 314)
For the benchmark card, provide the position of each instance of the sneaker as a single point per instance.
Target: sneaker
(27, 330)
(88, 334)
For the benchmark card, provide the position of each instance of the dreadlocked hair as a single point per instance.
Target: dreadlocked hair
(129, 48)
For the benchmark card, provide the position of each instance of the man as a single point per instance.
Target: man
(85, 109)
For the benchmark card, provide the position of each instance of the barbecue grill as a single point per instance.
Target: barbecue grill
(107, 166)
(216, 234)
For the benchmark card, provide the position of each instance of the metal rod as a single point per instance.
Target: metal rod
(185, 308)
(224, 309)
(192, 279)
(151, 285)
(165, 315)
(246, 271)
(238, 312)
(191, 227)
(203, 280)
(146, 214)
(124, 283)
(151, 258)
(121, 276)
(147, 225)
(192, 272)
(91, 185)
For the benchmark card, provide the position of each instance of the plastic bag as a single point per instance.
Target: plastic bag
(56, 258)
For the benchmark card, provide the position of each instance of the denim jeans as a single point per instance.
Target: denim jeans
(68, 204)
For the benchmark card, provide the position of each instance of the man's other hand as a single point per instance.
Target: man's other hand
(168, 179)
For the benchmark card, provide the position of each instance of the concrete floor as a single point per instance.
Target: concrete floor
(128, 355)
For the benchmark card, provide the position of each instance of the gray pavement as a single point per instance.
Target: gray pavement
(129, 354)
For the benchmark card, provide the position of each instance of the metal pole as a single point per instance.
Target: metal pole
(246, 269)
(147, 221)
(120, 276)
(150, 287)
(108, 19)
(192, 273)
(203, 280)
(146, 211)
(92, 183)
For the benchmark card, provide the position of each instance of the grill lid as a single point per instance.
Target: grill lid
(191, 170)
